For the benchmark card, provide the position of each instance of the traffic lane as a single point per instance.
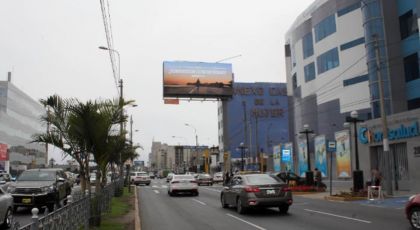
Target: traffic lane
(160, 211)
(317, 214)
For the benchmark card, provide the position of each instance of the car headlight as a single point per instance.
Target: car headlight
(411, 198)
(11, 189)
(47, 189)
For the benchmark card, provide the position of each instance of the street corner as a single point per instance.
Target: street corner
(393, 203)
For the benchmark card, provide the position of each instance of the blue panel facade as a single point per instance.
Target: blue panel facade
(264, 106)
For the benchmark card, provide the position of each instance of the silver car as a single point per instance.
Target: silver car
(182, 184)
(6, 207)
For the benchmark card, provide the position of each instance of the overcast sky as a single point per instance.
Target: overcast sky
(51, 47)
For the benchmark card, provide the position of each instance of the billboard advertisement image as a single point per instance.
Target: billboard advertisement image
(343, 154)
(197, 79)
(287, 156)
(3, 152)
(276, 158)
(321, 154)
(303, 157)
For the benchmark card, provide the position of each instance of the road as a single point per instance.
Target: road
(160, 211)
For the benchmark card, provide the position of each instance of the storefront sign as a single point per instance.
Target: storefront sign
(368, 136)
(3, 152)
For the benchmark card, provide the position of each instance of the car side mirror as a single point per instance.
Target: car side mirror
(60, 179)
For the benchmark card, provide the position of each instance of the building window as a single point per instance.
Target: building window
(353, 43)
(294, 81)
(327, 60)
(413, 104)
(411, 67)
(408, 24)
(307, 45)
(309, 72)
(325, 28)
(348, 9)
(355, 80)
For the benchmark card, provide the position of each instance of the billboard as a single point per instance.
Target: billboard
(276, 158)
(3, 152)
(321, 154)
(197, 79)
(287, 156)
(343, 153)
(303, 157)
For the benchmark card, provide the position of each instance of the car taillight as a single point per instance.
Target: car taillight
(285, 189)
(252, 189)
(174, 182)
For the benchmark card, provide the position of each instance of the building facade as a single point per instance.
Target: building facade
(338, 52)
(257, 117)
(19, 120)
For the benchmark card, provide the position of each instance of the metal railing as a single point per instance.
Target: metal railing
(81, 211)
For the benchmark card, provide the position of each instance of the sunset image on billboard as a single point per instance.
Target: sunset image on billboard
(197, 79)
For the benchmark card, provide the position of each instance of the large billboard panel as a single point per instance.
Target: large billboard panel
(343, 154)
(184, 79)
(303, 157)
(321, 154)
(287, 156)
(276, 158)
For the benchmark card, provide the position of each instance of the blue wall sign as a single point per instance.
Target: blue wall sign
(367, 136)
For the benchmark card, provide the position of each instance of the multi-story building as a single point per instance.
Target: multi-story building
(19, 120)
(257, 117)
(333, 52)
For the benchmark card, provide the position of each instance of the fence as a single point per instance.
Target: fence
(81, 210)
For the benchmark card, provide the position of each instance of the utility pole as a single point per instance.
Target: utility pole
(258, 156)
(245, 125)
(386, 152)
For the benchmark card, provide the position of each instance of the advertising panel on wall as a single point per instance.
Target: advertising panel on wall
(287, 156)
(3, 152)
(197, 79)
(343, 154)
(303, 157)
(321, 154)
(276, 158)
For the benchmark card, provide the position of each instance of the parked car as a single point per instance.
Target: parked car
(5, 180)
(140, 178)
(204, 178)
(182, 184)
(412, 211)
(169, 177)
(218, 177)
(290, 177)
(39, 188)
(256, 190)
(6, 209)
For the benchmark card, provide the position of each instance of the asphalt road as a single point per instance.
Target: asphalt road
(160, 211)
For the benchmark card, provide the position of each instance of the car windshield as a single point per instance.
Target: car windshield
(260, 179)
(37, 176)
(183, 177)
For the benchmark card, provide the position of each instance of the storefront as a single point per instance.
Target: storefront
(404, 143)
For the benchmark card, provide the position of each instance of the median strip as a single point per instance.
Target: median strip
(344, 217)
(247, 222)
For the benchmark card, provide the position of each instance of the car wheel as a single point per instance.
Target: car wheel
(170, 194)
(195, 193)
(222, 200)
(8, 219)
(239, 207)
(284, 209)
(415, 218)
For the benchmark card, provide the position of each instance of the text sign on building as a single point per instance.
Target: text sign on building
(3, 152)
(402, 132)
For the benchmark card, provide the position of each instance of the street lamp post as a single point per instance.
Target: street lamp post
(196, 138)
(357, 174)
(309, 174)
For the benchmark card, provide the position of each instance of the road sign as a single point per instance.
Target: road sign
(331, 146)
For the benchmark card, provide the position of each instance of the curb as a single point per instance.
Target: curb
(338, 198)
(137, 224)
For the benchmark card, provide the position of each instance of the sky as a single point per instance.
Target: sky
(51, 47)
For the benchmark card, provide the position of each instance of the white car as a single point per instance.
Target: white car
(183, 184)
(218, 177)
(140, 178)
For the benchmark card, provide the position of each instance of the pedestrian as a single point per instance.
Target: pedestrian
(227, 178)
(318, 178)
(376, 177)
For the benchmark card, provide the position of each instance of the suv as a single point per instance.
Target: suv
(40, 187)
(140, 178)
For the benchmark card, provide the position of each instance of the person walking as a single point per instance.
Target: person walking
(318, 178)
(227, 178)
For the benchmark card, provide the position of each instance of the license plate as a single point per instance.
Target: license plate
(271, 192)
(26, 200)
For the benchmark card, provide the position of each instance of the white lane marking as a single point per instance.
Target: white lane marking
(210, 189)
(200, 202)
(164, 186)
(155, 186)
(344, 217)
(253, 225)
(300, 203)
(156, 191)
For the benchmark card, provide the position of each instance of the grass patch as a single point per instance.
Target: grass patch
(120, 206)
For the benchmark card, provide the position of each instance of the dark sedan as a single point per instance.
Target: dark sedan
(204, 179)
(412, 211)
(256, 190)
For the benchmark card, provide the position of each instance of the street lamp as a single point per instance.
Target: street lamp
(195, 131)
(119, 58)
(357, 174)
(242, 148)
(309, 174)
